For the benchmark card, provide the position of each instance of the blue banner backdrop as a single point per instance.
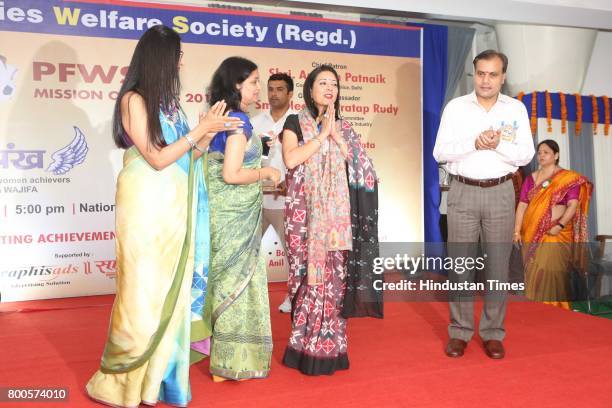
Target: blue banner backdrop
(122, 19)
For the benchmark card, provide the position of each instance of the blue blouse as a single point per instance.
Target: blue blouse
(220, 139)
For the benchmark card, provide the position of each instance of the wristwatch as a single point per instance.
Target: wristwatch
(443, 175)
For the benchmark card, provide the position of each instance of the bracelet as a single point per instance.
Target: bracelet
(258, 174)
(190, 141)
(198, 148)
(317, 140)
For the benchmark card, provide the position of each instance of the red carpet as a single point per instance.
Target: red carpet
(555, 358)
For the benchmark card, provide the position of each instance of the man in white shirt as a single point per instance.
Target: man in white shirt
(270, 124)
(483, 137)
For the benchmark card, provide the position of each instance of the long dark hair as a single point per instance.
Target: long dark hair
(554, 146)
(232, 71)
(308, 84)
(154, 75)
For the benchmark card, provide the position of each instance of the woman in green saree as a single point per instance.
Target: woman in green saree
(237, 312)
(162, 237)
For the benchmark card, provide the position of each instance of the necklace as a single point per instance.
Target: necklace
(547, 182)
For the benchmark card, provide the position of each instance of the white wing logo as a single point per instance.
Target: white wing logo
(7, 79)
(69, 156)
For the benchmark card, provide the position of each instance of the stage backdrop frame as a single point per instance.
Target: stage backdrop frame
(62, 63)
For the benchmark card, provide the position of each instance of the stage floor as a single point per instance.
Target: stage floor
(555, 358)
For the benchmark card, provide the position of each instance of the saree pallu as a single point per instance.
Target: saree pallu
(318, 341)
(237, 311)
(146, 357)
(549, 259)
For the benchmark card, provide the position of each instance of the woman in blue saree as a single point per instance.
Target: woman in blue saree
(162, 232)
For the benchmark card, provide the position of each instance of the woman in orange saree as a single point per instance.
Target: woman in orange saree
(551, 223)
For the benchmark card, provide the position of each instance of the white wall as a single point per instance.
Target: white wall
(539, 56)
(598, 78)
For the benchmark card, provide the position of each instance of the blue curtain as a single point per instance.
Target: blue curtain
(435, 47)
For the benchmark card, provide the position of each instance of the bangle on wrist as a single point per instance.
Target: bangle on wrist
(199, 149)
(258, 174)
(190, 141)
(316, 139)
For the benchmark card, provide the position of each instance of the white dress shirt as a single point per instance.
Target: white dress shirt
(263, 123)
(464, 119)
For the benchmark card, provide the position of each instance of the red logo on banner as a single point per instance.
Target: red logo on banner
(107, 267)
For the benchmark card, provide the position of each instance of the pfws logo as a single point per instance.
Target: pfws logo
(7, 79)
(63, 160)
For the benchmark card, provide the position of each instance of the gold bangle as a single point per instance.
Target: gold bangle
(258, 174)
(317, 140)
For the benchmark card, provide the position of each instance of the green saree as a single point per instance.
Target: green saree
(237, 311)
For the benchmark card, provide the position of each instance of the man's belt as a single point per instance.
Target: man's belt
(483, 183)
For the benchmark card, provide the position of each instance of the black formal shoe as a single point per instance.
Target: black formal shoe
(494, 349)
(455, 348)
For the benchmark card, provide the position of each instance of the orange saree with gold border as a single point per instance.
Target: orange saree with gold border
(550, 258)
